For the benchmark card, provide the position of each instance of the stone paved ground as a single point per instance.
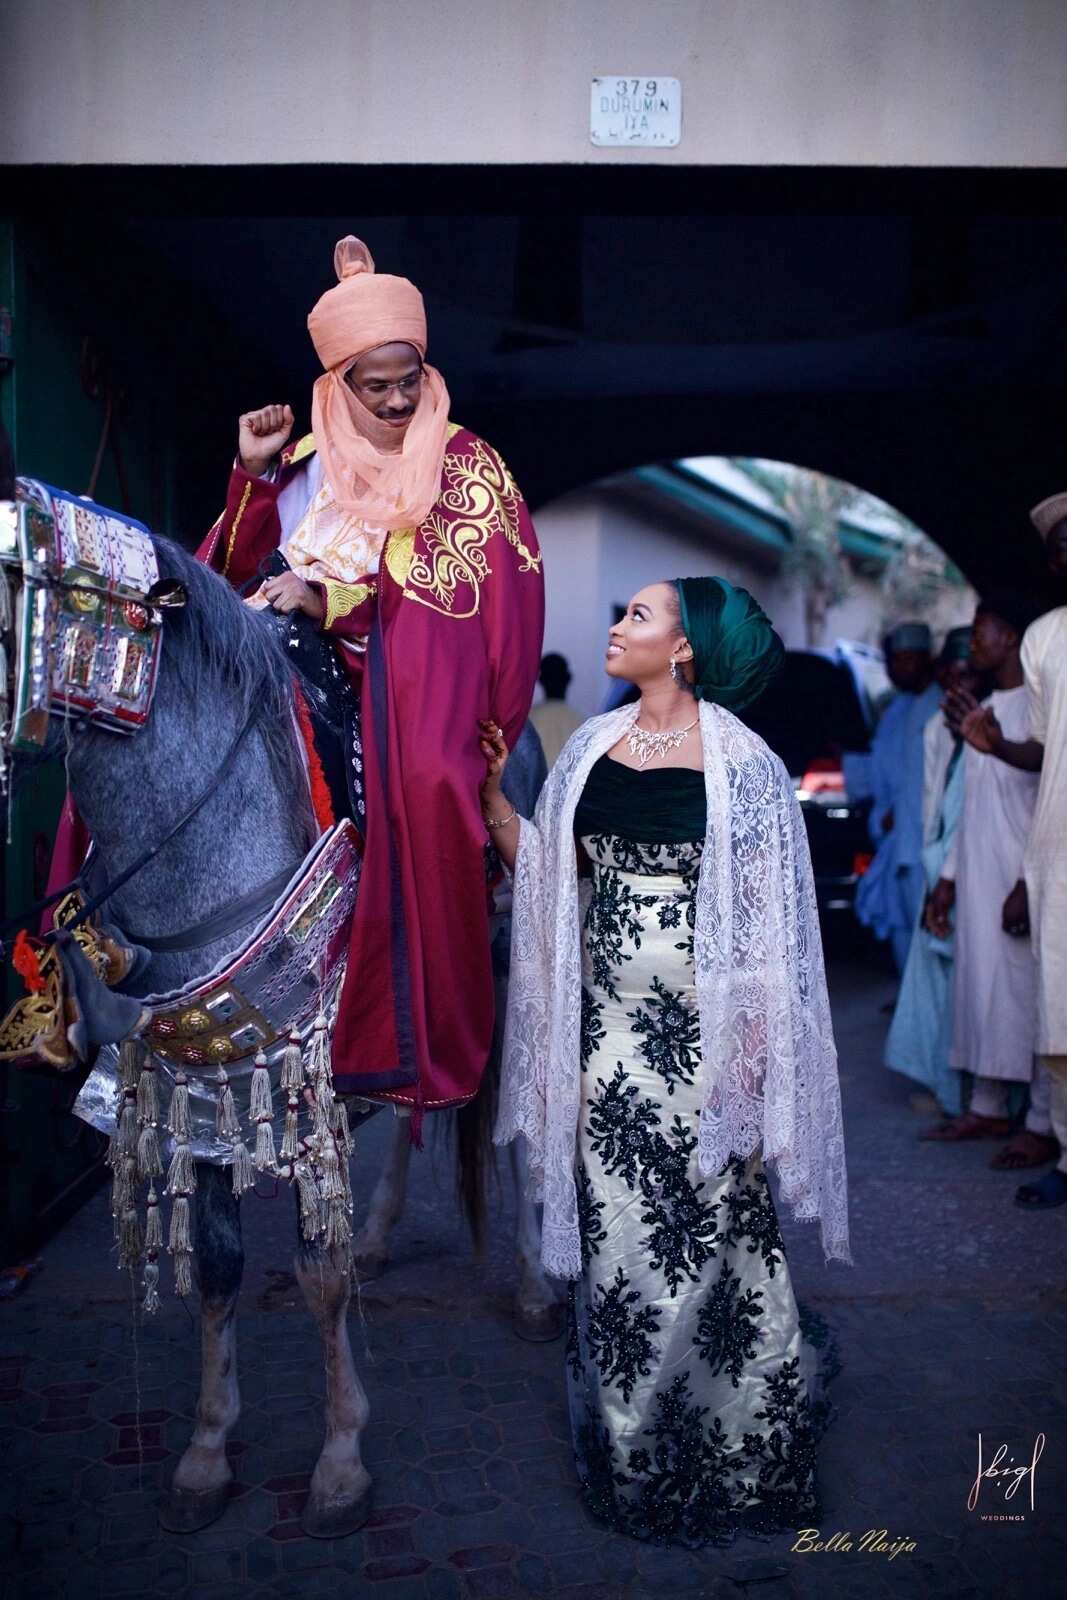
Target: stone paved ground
(953, 1321)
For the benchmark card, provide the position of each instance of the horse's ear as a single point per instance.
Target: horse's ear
(167, 594)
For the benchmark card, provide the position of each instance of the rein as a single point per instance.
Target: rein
(236, 914)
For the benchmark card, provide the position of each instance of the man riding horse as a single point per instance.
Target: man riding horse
(406, 541)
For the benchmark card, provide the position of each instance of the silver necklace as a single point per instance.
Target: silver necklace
(644, 745)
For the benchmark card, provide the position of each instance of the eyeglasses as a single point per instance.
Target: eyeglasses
(379, 388)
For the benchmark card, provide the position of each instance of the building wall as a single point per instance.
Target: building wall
(853, 82)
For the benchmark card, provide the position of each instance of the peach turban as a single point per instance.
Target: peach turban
(369, 476)
(365, 309)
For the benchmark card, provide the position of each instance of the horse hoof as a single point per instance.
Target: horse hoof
(539, 1326)
(324, 1521)
(187, 1510)
(370, 1265)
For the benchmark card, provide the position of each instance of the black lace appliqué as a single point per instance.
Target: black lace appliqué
(727, 1329)
(590, 1228)
(612, 919)
(591, 1027)
(626, 1133)
(670, 1035)
(752, 1218)
(690, 1486)
(617, 1333)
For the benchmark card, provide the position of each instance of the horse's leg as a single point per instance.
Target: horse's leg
(339, 1501)
(370, 1248)
(538, 1314)
(201, 1483)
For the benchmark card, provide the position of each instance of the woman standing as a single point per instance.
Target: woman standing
(668, 1029)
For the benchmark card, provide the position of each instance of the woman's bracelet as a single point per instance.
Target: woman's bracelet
(503, 821)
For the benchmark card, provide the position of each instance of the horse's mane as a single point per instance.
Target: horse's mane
(219, 647)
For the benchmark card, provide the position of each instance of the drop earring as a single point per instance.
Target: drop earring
(674, 670)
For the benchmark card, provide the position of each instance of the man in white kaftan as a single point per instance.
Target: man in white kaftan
(1044, 663)
(997, 1004)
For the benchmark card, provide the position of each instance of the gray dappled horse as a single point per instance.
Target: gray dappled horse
(220, 663)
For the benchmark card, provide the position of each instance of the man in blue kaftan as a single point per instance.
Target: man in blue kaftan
(920, 1035)
(891, 892)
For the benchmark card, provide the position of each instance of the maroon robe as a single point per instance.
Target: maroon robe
(453, 623)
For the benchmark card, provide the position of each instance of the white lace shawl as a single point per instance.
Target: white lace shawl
(768, 1058)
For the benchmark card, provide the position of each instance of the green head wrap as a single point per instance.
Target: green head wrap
(736, 652)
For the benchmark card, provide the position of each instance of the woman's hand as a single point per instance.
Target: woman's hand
(288, 592)
(501, 818)
(495, 752)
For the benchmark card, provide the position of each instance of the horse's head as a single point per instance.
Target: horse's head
(86, 596)
(80, 614)
(108, 633)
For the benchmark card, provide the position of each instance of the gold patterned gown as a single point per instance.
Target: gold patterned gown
(695, 1384)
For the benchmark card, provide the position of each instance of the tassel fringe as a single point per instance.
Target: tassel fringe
(148, 1094)
(290, 1141)
(131, 1245)
(341, 1129)
(150, 1304)
(180, 1246)
(227, 1123)
(243, 1175)
(131, 1057)
(308, 1195)
(261, 1100)
(181, 1178)
(183, 1275)
(124, 1177)
(178, 1122)
(265, 1159)
(153, 1231)
(149, 1164)
(293, 1065)
(318, 1163)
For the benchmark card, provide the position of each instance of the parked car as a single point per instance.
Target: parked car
(818, 716)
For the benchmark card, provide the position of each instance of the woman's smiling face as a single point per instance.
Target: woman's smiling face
(641, 643)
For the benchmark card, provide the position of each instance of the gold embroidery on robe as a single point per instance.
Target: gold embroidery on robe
(344, 598)
(245, 497)
(303, 449)
(490, 468)
(454, 556)
(482, 499)
(399, 549)
(330, 544)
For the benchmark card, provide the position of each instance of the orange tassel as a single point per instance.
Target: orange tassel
(26, 960)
